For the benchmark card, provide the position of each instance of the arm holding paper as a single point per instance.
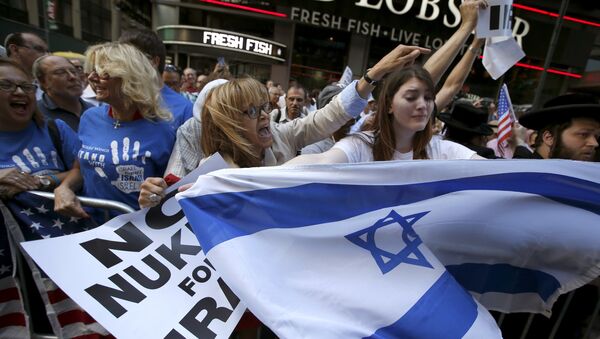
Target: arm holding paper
(439, 62)
(459, 74)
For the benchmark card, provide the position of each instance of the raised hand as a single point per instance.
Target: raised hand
(469, 11)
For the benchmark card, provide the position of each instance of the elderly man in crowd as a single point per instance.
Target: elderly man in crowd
(25, 48)
(188, 88)
(171, 76)
(61, 82)
(295, 101)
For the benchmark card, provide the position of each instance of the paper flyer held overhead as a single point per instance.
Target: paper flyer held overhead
(495, 20)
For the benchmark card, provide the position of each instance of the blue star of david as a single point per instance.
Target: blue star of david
(386, 260)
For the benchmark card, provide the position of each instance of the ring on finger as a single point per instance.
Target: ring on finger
(154, 198)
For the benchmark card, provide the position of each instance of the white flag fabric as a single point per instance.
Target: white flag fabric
(335, 251)
(328, 275)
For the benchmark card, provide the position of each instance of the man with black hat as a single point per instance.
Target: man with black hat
(568, 127)
(467, 125)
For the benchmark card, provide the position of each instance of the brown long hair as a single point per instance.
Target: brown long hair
(384, 143)
(37, 117)
(221, 120)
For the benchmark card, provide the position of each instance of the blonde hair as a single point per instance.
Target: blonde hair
(140, 84)
(221, 128)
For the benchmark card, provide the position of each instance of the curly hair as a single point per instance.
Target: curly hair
(221, 127)
(140, 84)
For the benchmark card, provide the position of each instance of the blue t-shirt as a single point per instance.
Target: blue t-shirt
(115, 161)
(31, 150)
(181, 108)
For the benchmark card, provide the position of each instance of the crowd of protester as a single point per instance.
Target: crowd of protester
(119, 123)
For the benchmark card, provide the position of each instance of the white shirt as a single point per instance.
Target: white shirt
(357, 148)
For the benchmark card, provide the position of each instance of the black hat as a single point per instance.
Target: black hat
(467, 118)
(561, 109)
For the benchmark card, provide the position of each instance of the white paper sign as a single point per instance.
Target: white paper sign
(346, 78)
(495, 20)
(143, 274)
(500, 54)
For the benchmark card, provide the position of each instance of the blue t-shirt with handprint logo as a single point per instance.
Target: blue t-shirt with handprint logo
(31, 150)
(115, 161)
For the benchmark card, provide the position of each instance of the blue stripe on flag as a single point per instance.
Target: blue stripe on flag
(216, 218)
(446, 305)
(504, 278)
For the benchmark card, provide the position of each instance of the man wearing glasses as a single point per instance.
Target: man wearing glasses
(61, 82)
(172, 77)
(24, 48)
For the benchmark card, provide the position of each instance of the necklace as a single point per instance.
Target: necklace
(117, 122)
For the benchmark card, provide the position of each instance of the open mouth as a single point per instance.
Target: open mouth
(19, 106)
(265, 132)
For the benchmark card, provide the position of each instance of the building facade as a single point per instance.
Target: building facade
(312, 41)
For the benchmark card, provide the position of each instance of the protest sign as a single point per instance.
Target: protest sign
(143, 274)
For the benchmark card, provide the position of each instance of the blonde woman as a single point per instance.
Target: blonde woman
(235, 121)
(125, 141)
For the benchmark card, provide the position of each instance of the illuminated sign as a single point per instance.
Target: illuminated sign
(225, 40)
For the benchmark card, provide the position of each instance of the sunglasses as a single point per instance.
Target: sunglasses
(254, 111)
(172, 68)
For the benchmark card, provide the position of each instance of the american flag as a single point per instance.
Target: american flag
(31, 217)
(13, 320)
(505, 117)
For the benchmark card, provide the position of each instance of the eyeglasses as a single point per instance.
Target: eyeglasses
(172, 68)
(254, 111)
(9, 86)
(37, 48)
(104, 76)
(61, 72)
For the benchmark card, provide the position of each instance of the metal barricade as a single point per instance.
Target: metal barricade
(587, 328)
(103, 204)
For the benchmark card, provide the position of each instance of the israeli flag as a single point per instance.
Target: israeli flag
(341, 251)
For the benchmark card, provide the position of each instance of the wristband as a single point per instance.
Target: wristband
(55, 179)
(369, 80)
